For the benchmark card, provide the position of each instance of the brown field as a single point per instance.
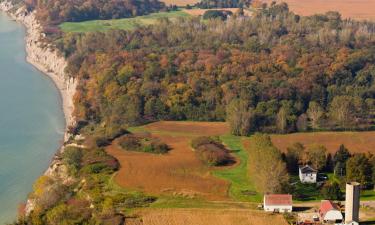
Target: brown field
(180, 2)
(355, 9)
(206, 217)
(179, 172)
(200, 12)
(354, 141)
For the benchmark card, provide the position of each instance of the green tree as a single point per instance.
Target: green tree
(358, 168)
(332, 191)
(339, 159)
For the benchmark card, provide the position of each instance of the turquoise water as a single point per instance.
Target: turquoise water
(31, 120)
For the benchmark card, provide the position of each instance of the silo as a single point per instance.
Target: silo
(352, 202)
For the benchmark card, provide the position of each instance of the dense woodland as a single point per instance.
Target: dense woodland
(52, 12)
(274, 72)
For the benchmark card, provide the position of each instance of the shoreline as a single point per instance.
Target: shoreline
(51, 64)
(45, 59)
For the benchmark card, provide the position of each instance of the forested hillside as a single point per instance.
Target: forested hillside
(51, 12)
(275, 72)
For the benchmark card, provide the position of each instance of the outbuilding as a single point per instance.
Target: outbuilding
(278, 203)
(330, 212)
(307, 174)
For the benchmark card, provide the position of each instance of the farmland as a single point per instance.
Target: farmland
(122, 24)
(359, 9)
(355, 141)
(206, 216)
(179, 172)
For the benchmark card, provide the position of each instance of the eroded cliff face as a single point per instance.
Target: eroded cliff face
(48, 60)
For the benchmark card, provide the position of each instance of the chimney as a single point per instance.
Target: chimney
(352, 202)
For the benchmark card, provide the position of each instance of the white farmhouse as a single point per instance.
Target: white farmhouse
(278, 203)
(307, 174)
(329, 212)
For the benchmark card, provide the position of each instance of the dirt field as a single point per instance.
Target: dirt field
(354, 141)
(206, 217)
(179, 172)
(356, 9)
(200, 12)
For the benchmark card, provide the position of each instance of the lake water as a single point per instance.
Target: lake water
(31, 120)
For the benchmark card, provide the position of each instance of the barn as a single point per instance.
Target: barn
(278, 203)
(330, 212)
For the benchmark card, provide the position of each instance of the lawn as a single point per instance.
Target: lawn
(122, 24)
(241, 188)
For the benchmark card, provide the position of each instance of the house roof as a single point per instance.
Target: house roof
(327, 205)
(307, 169)
(278, 199)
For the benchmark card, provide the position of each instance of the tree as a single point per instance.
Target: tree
(339, 159)
(358, 168)
(266, 165)
(316, 156)
(315, 113)
(342, 111)
(332, 191)
(293, 157)
(302, 124)
(241, 118)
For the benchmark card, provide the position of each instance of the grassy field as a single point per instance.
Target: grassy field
(241, 187)
(358, 9)
(123, 24)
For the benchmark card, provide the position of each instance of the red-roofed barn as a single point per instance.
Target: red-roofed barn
(330, 212)
(278, 203)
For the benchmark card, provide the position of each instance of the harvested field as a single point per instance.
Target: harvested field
(200, 12)
(355, 9)
(179, 172)
(205, 217)
(354, 141)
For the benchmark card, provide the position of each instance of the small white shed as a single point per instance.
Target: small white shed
(278, 203)
(307, 174)
(329, 212)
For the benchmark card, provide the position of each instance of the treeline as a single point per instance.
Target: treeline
(274, 172)
(266, 166)
(211, 4)
(52, 12)
(346, 166)
(274, 72)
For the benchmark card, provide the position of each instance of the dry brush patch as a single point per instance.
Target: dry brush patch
(206, 216)
(360, 142)
(358, 9)
(179, 172)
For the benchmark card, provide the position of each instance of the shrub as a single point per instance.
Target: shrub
(72, 157)
(212, 155)
(143, 144)
(213, 14)
(211, 151)
(196, 142)
(130, 143)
